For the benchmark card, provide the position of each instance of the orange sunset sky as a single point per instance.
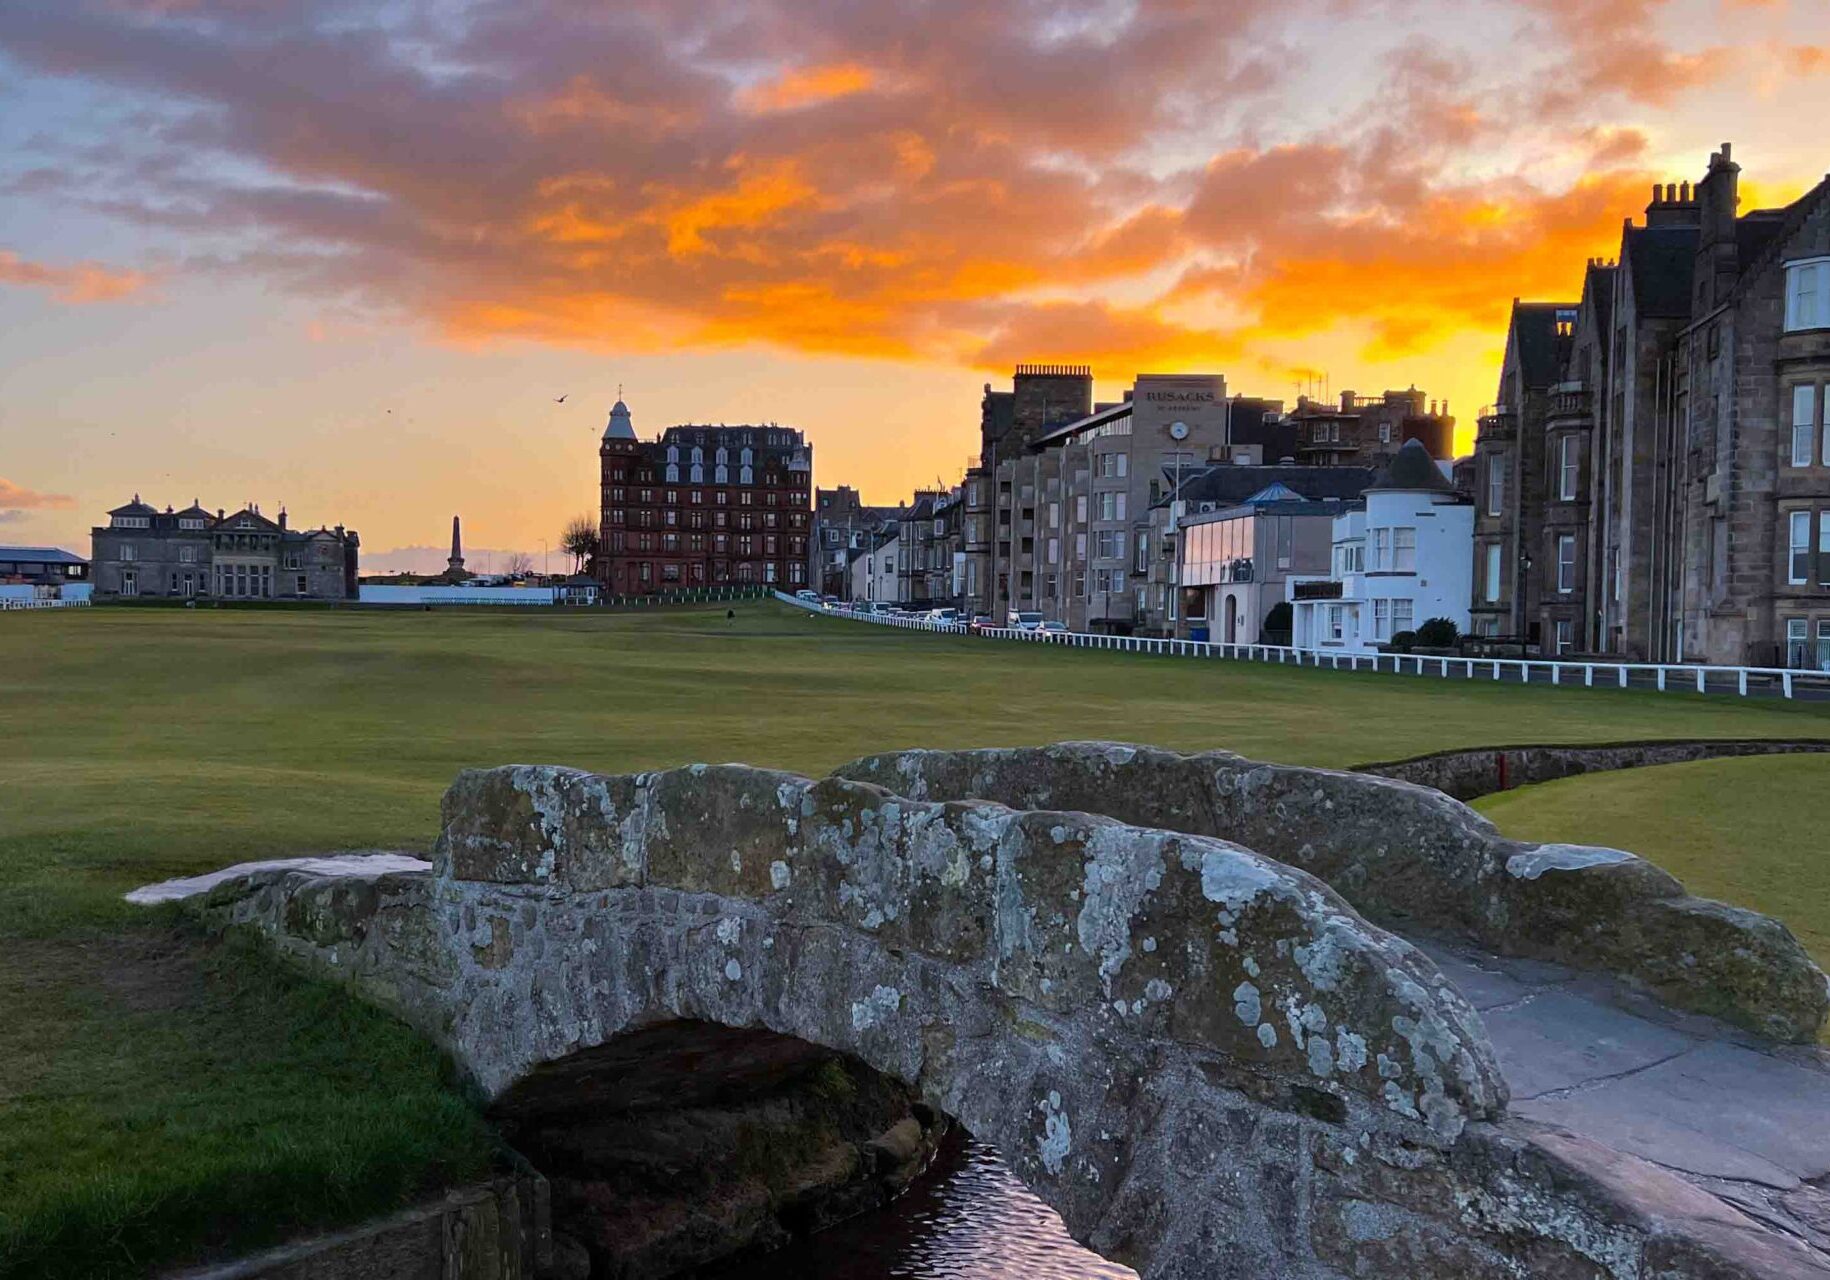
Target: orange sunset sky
(346, 256)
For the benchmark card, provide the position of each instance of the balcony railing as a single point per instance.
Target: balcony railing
(1569, 404)
(1315, 591)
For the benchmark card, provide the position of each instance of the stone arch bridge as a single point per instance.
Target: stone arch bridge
(1152, 981)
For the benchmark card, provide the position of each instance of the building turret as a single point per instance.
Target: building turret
(620, 426)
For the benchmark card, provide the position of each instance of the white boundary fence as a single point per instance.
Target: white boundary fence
(1684, 678)
(43, 604)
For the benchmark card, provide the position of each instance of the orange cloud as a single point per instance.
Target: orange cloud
(81, 282)
(18, 498)
(947, 182)
(805, 86)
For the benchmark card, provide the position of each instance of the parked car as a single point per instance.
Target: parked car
(828, 602)
(811, 597)
(980, 622)
(1053, 624)
(1025, 620)
(946, 617)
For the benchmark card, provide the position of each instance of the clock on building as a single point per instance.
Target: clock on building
(1178, 431)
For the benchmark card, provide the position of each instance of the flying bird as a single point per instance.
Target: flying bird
(562, 399)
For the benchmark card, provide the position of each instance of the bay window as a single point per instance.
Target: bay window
(1404, 550)
(1808, 294)
(1798, 543)
(1804, 424)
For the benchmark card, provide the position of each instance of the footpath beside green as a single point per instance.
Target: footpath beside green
(165, 1094)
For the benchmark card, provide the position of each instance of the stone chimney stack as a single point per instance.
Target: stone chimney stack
(1718, 259)
(1671, 207)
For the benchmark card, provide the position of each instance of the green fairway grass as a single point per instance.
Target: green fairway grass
(1747, 831)
(161, 1092)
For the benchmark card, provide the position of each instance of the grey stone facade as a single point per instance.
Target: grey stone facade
(143, 552)
(1682, 522)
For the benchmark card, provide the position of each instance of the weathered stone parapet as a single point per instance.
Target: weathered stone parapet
(1471, 774)
(1204, 1059)
(1413, 857)
(1160, 933)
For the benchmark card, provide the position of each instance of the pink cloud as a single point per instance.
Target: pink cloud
(77, 283)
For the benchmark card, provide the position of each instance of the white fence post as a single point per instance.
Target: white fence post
(1172, 646)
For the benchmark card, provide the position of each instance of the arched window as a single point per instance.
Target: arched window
(698, 455)
(673, 453)
(746, 457)
(721, 474)
(745, 475)
(698, 472)
(673, 472)
(721, 457)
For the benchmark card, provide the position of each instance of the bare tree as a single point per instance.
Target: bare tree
(519, 564)
(579, 540)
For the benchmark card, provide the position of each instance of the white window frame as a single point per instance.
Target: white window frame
(1404, 549)
(1807, 294)
(1381, 549)
(1382, 619)
(1565, 632)
(1494, 571)
(1566, 563)
(1798, 638)
(1798, 548)
(1496, 484)
(1804, 423)
(1569, 468)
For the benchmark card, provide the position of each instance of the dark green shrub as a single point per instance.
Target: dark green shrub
(1438, 633)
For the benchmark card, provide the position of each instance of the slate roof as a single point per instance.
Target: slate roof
(1534, 329)
(1098, 417)
(1231, 485)
(1600, 288)
(135, 508)
(1663, 262)
(39, 555)
(1413, 470)
(1302, 507)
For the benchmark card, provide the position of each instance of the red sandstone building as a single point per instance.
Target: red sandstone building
(704, 506)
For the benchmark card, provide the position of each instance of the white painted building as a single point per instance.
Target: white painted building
(1402, 555)
(873, 573)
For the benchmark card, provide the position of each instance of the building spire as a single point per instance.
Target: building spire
(456, 562)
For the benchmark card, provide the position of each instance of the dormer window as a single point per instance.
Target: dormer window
(132, 522)
(1808, 294)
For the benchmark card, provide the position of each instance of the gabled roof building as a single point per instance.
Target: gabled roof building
(144, 552)
(1653, 480)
